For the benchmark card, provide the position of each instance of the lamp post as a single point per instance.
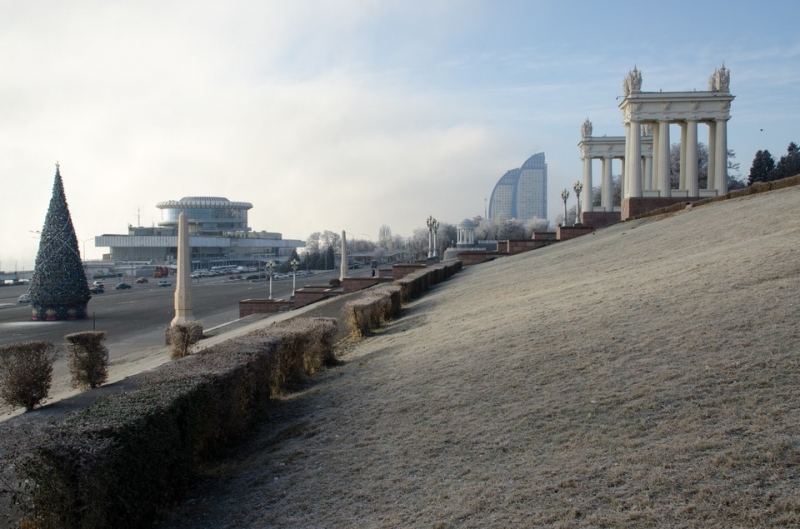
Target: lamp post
(270, 267)
(578, 187)
(430, 223)
(435, 242)
(294, 264)
(564, 197)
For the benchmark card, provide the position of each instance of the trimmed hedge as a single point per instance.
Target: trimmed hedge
(415, 283)
(758, 187)
(118, 462)
(365, 314)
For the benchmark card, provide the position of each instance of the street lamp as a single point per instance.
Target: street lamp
(430, 223)
(435, 242)
(578, 187)
(270, 267)
(564, 197)
(294, 264)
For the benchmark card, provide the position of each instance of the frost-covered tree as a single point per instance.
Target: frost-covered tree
(58, 288)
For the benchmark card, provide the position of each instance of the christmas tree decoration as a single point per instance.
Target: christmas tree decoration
(59, 290)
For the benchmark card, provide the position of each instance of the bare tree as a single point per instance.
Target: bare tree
(385, 237)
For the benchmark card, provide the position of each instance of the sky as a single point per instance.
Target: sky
(348, 114)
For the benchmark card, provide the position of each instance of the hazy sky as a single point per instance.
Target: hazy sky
(346, 114)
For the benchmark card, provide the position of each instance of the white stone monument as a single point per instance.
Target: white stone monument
(343, 264)
(184, 306)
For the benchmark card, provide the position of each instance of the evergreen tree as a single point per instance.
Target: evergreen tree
(789, 164)
(762, 168)
(58, 288)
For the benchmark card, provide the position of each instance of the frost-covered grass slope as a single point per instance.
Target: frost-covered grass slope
(643, 376)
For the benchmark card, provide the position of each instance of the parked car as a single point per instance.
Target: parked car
(141, 280)
(99, 283)
(97, 289)
(122, 286)
(252, 277)
(24, 298)
(164, 283)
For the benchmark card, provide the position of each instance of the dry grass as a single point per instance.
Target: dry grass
(644, 376)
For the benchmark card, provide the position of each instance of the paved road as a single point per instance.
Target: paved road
(135, 319)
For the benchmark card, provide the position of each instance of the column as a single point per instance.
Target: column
(656, 177)
(691, 157)
(712, 149)
(607, 189)
(586, 204)
(622, 179)
(721, 158)
(635, 163)
(682, 170)
(648, 172)
(663, 158)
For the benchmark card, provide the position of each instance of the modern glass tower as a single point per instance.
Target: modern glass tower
(521, 193)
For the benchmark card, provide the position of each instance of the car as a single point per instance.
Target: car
(141, 280)
(122, 286)
(99, 283)
(97, 289)
(253, 277)
(164, 283)
(24, 298)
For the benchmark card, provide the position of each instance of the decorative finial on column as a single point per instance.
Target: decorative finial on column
(633, 82)
(586, 129)
(720, 80)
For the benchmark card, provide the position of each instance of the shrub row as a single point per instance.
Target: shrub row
(758, 187)
(365, 314)
(118, 462)
(415, 283)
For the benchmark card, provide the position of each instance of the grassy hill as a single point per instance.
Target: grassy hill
(643, 376)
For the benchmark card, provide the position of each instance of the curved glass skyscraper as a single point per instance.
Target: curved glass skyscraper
(521, 193)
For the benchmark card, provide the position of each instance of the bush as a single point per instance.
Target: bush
(26, 372)
(365, 314)
(183, 336)
(116, 463)
(87, 358)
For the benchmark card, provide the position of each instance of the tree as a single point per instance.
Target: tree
(385, 237)
(445, 237)
(616, 193)
(762, 168)
(418, 244)
(789, 164)
(59, 290)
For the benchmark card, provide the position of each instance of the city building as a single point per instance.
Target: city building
(218, 233)
(521, 193)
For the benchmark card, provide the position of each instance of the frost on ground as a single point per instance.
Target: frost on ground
(643, 376)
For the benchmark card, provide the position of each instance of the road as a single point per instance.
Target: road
(135, 319)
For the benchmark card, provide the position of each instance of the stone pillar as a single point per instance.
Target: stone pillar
(656, 182)
(663, 159)
(721, 158)
(622, 179)
(712, 154)
(648, 172)
(587, 184)
(635, 163)
(682, 170)
(691, 158)
(607, 189)
(343, 263)
(184, 307)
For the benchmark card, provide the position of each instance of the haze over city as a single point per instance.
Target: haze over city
(346, 115)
